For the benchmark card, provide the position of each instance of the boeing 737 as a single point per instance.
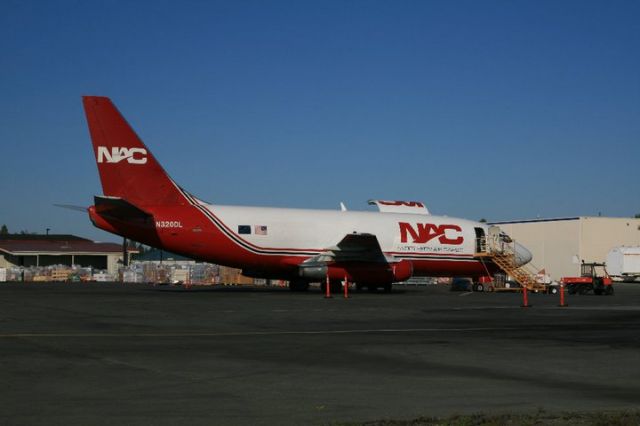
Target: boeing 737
(372, 249)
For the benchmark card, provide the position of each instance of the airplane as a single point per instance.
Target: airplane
(372, 249)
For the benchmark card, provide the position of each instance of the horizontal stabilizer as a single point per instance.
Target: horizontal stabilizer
(72, 207)
(119, 208)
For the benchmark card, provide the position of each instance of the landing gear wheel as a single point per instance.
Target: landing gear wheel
(298, 285)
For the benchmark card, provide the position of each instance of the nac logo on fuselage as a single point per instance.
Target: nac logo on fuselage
(426, 232)
(118, 154)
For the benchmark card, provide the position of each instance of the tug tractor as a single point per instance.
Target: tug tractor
(593, 277)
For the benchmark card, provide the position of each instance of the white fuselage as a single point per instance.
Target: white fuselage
(318, 230)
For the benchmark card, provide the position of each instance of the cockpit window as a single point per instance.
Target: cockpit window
(244, 229)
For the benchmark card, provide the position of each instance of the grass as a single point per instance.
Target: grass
(605, 418)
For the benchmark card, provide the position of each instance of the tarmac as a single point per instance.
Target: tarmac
(78, 354)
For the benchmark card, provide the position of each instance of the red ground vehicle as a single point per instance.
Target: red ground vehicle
(593, 277)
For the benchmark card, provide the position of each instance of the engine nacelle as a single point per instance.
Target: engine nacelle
(365, 273)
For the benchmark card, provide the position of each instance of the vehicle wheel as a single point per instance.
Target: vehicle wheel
(336, 286)
(584, 289)
(571, 289)
(298, 285)
(479, 287)
(609, 290)
(597, 291)
(358, 287)
(372, 288)
(387, 288)
(474, 287)
(553, 290)
(491, 289)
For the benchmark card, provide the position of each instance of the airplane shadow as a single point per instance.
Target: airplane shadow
(255, 289)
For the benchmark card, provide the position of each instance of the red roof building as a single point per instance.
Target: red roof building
(44, 250)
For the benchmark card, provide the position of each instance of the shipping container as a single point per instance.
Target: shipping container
(624, 262)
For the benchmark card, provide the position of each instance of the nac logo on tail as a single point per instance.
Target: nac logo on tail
(118, 154)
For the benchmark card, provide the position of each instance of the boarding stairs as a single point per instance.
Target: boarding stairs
(501, 250)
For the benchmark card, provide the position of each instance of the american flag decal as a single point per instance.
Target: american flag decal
(260, 230)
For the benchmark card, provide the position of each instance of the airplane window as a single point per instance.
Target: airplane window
(244, 229)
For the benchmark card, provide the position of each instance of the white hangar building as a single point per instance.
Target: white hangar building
(560, 245)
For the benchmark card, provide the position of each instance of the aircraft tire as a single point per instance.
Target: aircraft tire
(298, 286)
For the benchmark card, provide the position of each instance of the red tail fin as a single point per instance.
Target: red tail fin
(127, 168)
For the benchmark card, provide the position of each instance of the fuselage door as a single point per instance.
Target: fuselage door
(481, 241)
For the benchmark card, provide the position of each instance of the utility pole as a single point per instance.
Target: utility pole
(125, 253)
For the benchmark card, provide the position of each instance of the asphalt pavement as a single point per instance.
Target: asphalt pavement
(78, 354)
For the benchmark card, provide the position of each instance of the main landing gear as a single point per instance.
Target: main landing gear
(298, 285)
(336, 286)
(373, 288)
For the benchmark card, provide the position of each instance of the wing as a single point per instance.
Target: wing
(356, 247)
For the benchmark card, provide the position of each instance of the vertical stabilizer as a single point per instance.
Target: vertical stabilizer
(127, 168)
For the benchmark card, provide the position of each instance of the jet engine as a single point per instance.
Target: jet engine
(359, 272)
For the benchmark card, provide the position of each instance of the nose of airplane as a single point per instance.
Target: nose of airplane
(523, 256)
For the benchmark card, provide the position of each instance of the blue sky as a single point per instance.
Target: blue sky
(496, 109)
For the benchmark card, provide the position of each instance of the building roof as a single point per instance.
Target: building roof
(55, 244)
(556, 219)
(21, 237)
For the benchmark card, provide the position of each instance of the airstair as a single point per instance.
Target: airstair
(500, 249)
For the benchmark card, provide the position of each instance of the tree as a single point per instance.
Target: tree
(483, 220)
(637, 216)
(4, 230)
